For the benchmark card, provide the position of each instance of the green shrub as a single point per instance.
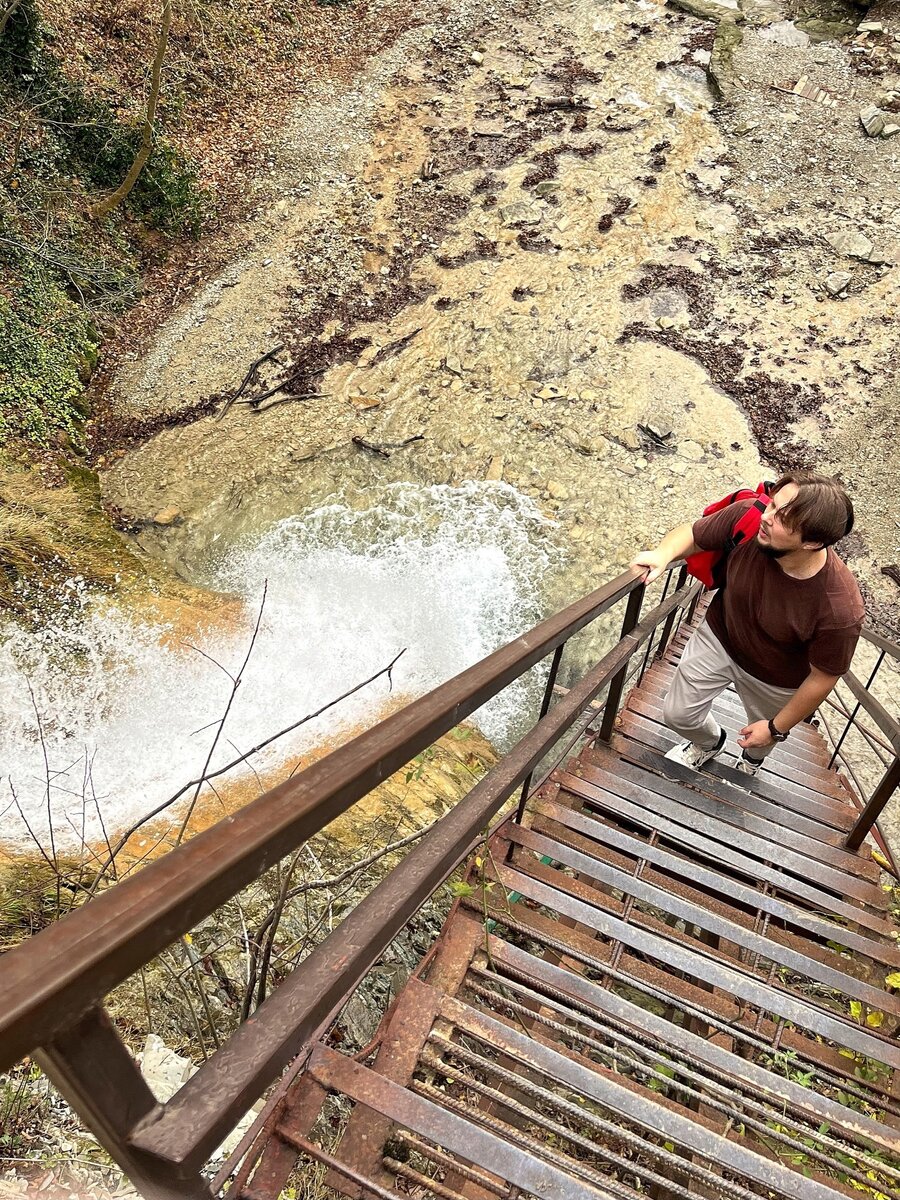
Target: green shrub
(48, 347)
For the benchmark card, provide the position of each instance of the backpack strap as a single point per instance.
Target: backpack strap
(747, 525)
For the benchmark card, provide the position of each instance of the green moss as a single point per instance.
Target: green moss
(48, 345)
(720, 71)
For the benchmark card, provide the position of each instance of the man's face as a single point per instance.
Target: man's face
(775, 538)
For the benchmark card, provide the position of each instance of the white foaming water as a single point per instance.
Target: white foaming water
(127, 717)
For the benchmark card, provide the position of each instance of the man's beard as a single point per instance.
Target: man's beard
(772, 552)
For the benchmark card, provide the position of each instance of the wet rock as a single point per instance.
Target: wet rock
(520, 213)
(873, 120)
(784, 33)
(851, 243)
(836, 282)
(168, 516)
(821, 30)
(593, 447)
(886, 252)
(656, 431)
(708, 10)
(491, 128)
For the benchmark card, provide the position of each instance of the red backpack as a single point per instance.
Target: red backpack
(709, 565)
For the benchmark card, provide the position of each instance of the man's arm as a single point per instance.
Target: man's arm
(679, 543)
(804, 702)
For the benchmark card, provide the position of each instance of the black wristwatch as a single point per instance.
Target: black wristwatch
(777, 735)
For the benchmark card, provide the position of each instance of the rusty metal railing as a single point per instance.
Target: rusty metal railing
(880, 740)
(54, 985)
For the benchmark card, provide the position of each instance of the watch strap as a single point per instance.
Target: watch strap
(775, 732)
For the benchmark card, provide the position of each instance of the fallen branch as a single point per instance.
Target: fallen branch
(560, 104)
(286, 399)
(394, 347)
(384, 448)
(254, 367)
(370, 446)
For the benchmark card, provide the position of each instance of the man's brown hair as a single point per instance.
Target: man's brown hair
(821, 511)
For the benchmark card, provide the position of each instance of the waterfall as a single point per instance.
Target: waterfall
(125, 709)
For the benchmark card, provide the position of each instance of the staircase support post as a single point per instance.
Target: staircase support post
(890, 781)
(670, 619)
(92, 1068)
(617, 683)
(545, 708)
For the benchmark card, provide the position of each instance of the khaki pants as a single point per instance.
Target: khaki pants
(705, 671)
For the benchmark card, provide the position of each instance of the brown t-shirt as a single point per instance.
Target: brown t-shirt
(773, 626)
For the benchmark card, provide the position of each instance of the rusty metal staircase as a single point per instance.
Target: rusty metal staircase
(653, 982)
(644, 991)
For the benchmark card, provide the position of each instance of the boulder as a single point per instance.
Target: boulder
(851, 243)
(720, 72)
(836, 282)
(784, 33)
(168, 516)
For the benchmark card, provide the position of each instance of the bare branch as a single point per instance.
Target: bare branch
(37, 717)
(120, 844)
(236, 683)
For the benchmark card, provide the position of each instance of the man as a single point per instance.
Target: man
(782, 629)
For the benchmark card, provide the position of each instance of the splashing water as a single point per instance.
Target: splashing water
(126, 714)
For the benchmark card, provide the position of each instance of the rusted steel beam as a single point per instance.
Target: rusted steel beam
(695, 873)
(679, 957)
(697, 835)
(703, 918)
(740, 1072)
(614, 695)
(797, 755)
(707, 1009)
(742, 810)
(51, 979)
(93, 1069)
(721, 822)
(473, 1143)
(656, 1119)
(366, 1186)
(211, 1101)
(783, 779)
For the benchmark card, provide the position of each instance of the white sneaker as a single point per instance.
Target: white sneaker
(748, 766)
(689, 754)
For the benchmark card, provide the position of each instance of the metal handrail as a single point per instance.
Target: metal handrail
(70, 966)
(888, 725)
